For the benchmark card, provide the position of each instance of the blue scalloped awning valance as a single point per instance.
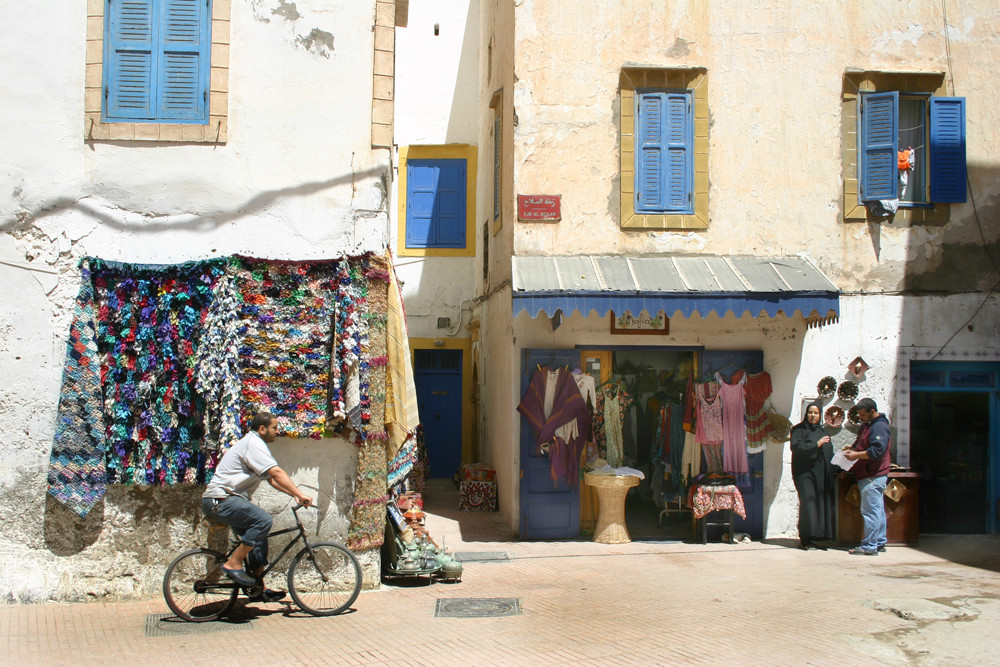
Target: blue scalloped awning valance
(754, 304)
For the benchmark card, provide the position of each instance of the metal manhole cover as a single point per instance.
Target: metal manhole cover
(477, 607)
(481, 556)
(162, 625)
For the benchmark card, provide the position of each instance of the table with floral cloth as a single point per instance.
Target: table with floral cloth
(705, 499)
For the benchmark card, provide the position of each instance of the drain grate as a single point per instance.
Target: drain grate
(163, 625)
(477, 607)
(481, 556)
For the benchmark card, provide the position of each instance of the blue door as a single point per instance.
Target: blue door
(549, 510)
(438, 378)
(727, 362)
(955, 445)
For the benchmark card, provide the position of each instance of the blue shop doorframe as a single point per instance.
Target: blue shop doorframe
(437, 375)
(955, 445)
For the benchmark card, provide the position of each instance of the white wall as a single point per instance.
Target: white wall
(297, 178)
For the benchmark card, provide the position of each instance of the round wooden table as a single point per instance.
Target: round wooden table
(611, 491)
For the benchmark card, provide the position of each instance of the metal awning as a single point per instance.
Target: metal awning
(700, 284)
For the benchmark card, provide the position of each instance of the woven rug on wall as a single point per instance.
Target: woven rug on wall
(369, 289)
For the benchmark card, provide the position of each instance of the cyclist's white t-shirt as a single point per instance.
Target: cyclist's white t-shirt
(241, 468)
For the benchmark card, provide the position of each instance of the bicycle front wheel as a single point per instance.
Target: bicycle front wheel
(326, 582)
(196, 588)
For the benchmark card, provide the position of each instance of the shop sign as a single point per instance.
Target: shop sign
(627, 323)
(539, 208)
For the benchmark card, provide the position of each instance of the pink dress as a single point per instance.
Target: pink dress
(708, 427)
(734, 427)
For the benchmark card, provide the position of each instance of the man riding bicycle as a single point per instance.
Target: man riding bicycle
(227, 500)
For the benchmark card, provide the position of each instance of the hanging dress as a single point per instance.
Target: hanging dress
(758, 389)
(708, 423)
(734, 428)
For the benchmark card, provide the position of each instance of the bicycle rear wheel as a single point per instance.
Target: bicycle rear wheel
(196, 588)
(327, 582)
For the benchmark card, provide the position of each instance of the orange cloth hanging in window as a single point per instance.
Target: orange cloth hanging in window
(904, 160)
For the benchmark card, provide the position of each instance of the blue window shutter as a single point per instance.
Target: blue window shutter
(947, 150)
(664, 153)
(185, 53)
(450, 213)
(649, 153)
(128, 59)
(679, 134)
(879, 164)
(435, 203)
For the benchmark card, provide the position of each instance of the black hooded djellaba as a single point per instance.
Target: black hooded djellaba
(814, 481)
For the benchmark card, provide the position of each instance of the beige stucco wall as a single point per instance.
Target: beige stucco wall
(775, 77)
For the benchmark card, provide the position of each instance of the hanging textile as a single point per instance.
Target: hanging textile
(567, 416)
(77, 465)
(284, 323)
(217, 368)
(401, 416)
(367, 292)
(734, 430)
(758, 390)
(708, 416)
(612, 402)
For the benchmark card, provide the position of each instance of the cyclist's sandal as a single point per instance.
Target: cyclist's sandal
(268, 595)
(239, 576)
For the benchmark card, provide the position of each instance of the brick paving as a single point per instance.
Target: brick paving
(647, 602)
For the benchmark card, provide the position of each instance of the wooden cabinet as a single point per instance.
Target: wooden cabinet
(902, 518)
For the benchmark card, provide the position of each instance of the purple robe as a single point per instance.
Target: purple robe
(567, 405)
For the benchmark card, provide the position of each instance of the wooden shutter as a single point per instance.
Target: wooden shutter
(947, 150)
(664, 153)
(435, 203)
(185, 51)
(128, 59)
(879, 167)
(680, 149)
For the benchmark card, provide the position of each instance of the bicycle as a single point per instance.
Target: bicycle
(324, 579)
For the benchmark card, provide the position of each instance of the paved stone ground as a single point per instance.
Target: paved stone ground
(648, 602)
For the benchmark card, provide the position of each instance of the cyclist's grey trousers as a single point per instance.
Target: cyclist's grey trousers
(250, 522)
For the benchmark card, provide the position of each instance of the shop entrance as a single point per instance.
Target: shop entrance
(437, 375)
(649, 384)
(954, 445)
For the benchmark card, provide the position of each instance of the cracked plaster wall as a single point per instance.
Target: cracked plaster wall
(296, 179)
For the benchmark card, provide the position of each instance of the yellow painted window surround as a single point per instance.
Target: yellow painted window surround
(695, 80)
(854, 84)
(217, 130)
(445, 151)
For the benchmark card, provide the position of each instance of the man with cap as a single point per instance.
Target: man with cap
(870, 453)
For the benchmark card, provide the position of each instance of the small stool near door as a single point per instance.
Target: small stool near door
(706, 500)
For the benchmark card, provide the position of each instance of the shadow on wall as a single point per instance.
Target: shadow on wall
(198, 222)
(143, 520)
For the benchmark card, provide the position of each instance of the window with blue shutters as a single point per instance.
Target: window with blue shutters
(157, 61)
(435, 203)
(664, 152)
(931, 128)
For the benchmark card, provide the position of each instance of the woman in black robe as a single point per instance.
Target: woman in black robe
(814, 478)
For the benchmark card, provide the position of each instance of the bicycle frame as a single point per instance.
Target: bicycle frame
(288, 547)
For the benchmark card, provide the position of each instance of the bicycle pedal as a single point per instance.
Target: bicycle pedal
(253, 591)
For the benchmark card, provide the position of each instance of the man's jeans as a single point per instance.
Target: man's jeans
(249, 521)
(873, 512)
